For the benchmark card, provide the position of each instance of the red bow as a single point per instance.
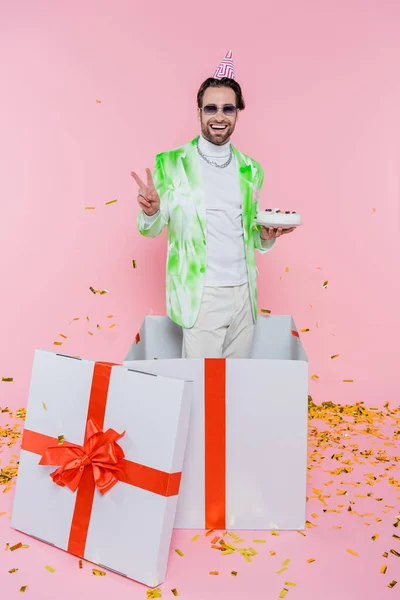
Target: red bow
(100, 451)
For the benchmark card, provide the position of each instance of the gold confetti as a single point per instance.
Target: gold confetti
(375, 537)
(50, 569)
(214, 572)
(304, 330)
(310, 560)
(290, 583)
(266, 311)
(7, 379)
(104, 292)
(259, 541)
(215, 540)
(98, 326)
(325, 285)
(13, 570)
(90, 333)
(374, 210)
(283, 593)
(90, 207)
(61, 440)
(383, 569)
(395, 552)
(351, 552)
(110, 316)
(196, 537)
(57, 343)
(273, 532)
(98, 101)
(112, 326)
(134, 264)
(80, 564)
(392, 584)
(23, 588)
(179, 552)
(287, 561)
(281, 570)
(287, 270)
(175, 592)
(234, 573)
(111, 202)
(44, 405)
(63, 336)
(314, 377)
(154, 593)
(98, 573)
(335, 356)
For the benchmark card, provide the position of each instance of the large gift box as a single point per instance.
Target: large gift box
(101, 461)
(246, 456)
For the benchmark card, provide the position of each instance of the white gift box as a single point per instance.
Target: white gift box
(128, 528)
(246, 456)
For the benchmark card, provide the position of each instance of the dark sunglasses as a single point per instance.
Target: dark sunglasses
(211, 109)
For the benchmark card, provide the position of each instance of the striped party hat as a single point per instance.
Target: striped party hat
(225, 68)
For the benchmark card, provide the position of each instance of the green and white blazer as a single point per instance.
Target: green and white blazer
(182, 208)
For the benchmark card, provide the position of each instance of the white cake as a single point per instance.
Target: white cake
(278, 218)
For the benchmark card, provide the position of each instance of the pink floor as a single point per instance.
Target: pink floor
(354, 504)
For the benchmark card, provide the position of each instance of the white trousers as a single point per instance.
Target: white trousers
(224, 327)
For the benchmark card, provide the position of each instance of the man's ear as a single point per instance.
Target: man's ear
(199, 114)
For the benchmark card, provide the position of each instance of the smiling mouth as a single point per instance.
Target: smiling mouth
(218, 127)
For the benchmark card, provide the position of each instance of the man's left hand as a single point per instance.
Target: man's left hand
(271, 233)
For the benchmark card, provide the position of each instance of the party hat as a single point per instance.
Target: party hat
(225, 68)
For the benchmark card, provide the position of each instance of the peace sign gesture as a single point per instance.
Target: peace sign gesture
(148, 198)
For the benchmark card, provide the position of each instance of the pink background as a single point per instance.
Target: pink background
(322, 86)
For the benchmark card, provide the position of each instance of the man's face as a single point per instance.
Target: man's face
(218, 96)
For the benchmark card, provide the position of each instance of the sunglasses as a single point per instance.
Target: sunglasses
(211, 109)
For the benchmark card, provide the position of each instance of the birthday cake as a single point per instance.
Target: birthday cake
(278, 218)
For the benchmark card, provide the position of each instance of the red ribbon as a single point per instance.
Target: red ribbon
(100, 452)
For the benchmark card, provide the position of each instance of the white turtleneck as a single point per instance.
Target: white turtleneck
(226, 258)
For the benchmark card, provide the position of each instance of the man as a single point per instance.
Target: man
(207, 193)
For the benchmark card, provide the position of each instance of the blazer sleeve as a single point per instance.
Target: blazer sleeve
(153, 226)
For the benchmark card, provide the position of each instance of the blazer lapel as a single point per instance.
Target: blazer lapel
(191, 176)
(246, 188)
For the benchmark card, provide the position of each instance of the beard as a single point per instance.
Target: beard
(219, 138)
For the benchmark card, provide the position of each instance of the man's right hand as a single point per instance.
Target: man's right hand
(148, 198)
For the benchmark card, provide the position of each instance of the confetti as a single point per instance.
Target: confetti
(13, 570)
(44, 406)
(23, 588)
(111, 202)
(134, 264)
(90, 207)
(351, 552)
(50, 569)
(290, 583)
(335, 356)
(7, 379)
(80, 564)
(175, 592)
(374, 210)
(215, 540)
(383, 569)
(325, 285)
(137, 338)
(287, 561)
(63, 336)
(348, 380)
(305, 330)
(16, 546)
(314, 377)
(283, 593)
(310, 560)
(154, 593)
(98, 573)
(90, 333)
(259, 541)
(112, 326)
(98, 101)
(395, 552)
(234, 573)
(214, 572)
(179, 552)
(282, 570)
(392, 584)
(110, 316)
(61, 440)
(196, 537)
(266, 311)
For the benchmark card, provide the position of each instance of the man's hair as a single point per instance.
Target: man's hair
(224, 82)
